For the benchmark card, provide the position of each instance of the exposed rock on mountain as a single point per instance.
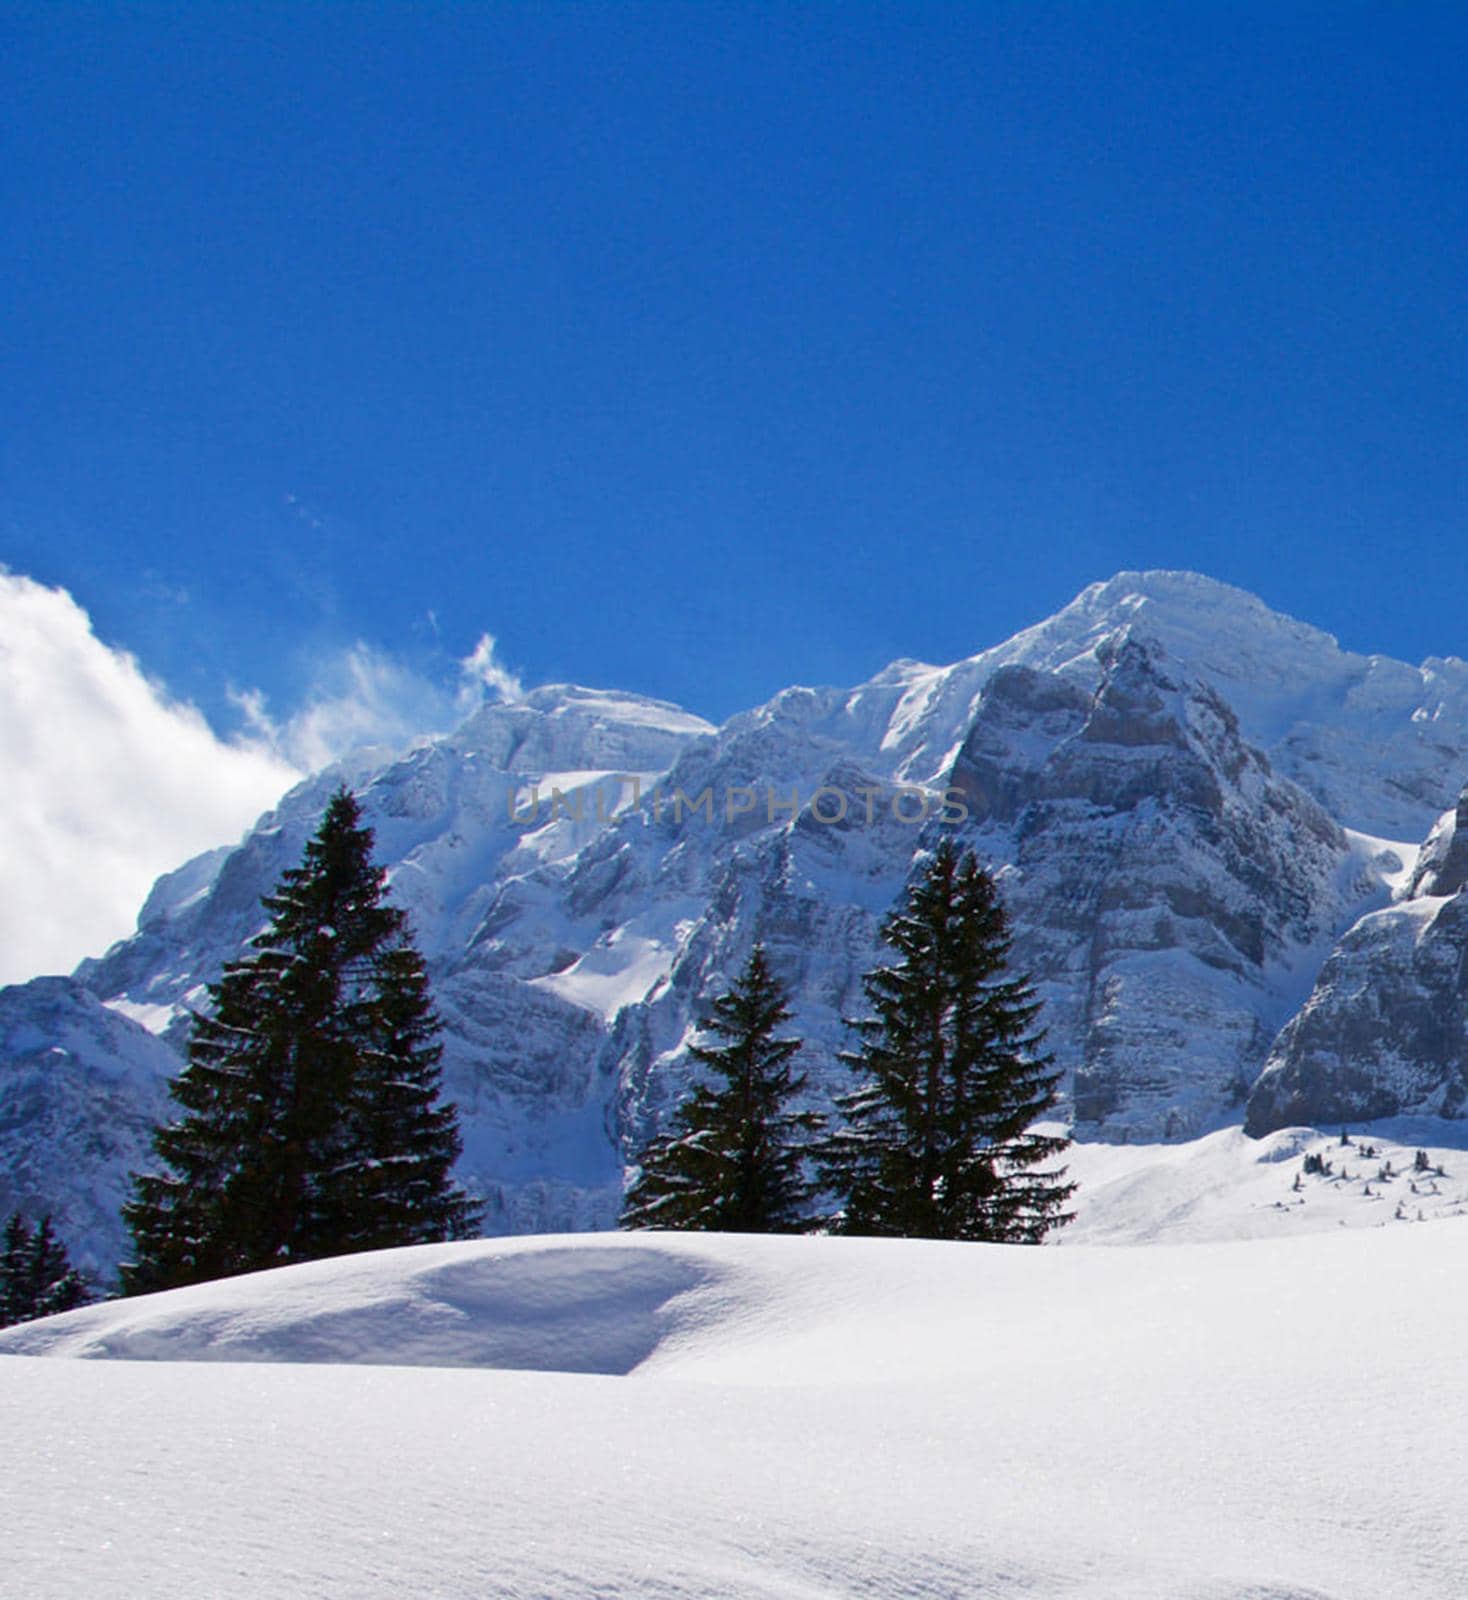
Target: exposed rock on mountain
(81, 1087)
(1165, 882)
(1383, 746)
(1442, 868)
(1385, 1031)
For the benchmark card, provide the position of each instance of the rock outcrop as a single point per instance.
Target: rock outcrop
(1385, 1030)
(1164, 880)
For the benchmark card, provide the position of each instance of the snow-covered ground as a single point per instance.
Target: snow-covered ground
(1227, 1186)
(657, 1415)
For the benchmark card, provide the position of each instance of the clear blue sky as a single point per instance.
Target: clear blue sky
(701, 349)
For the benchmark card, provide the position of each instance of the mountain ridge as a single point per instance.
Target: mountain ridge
(1156, 775)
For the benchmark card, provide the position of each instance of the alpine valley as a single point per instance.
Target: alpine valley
(1230, 850)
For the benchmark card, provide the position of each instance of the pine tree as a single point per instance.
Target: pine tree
(938, 1142)
(733, 1158)
(400, 1190)
(55, 1285)
(309, 1123)
(36, 1279)
(14, 1253)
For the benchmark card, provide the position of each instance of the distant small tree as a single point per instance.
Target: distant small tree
(939, 1141)
(36, 1279)
(734, 1155)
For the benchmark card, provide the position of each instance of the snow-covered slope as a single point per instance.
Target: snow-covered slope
(1188, 798)
(654, 1416)
(1390, 1174)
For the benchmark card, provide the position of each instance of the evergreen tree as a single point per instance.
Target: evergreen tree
(309, 1123)
(938, 1142)
(36, 1279)
(14, 1254)
(733, 1158)
(401, 1191)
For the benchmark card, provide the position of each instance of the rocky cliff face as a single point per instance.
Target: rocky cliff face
(1385, 1030)
(1165, 881)
(1157, 774)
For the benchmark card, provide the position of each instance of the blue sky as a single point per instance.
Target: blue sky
(702, 349)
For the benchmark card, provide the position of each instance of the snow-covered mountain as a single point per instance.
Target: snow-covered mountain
(1380, 744)
(81, 1086)
(1188, 798)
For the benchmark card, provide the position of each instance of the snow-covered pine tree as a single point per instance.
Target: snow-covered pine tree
(733, 1157)
(938, 1139)
(310, 1126)
(36, 1278)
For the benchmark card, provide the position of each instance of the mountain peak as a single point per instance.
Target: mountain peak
(1369, 736)
(1214, 626)
(562, 727)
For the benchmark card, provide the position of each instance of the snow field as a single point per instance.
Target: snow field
(1228, 1186)
(721, 1416)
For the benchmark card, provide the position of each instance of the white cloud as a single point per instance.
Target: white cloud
(107, 782)
(480, 671)
(362, 698)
